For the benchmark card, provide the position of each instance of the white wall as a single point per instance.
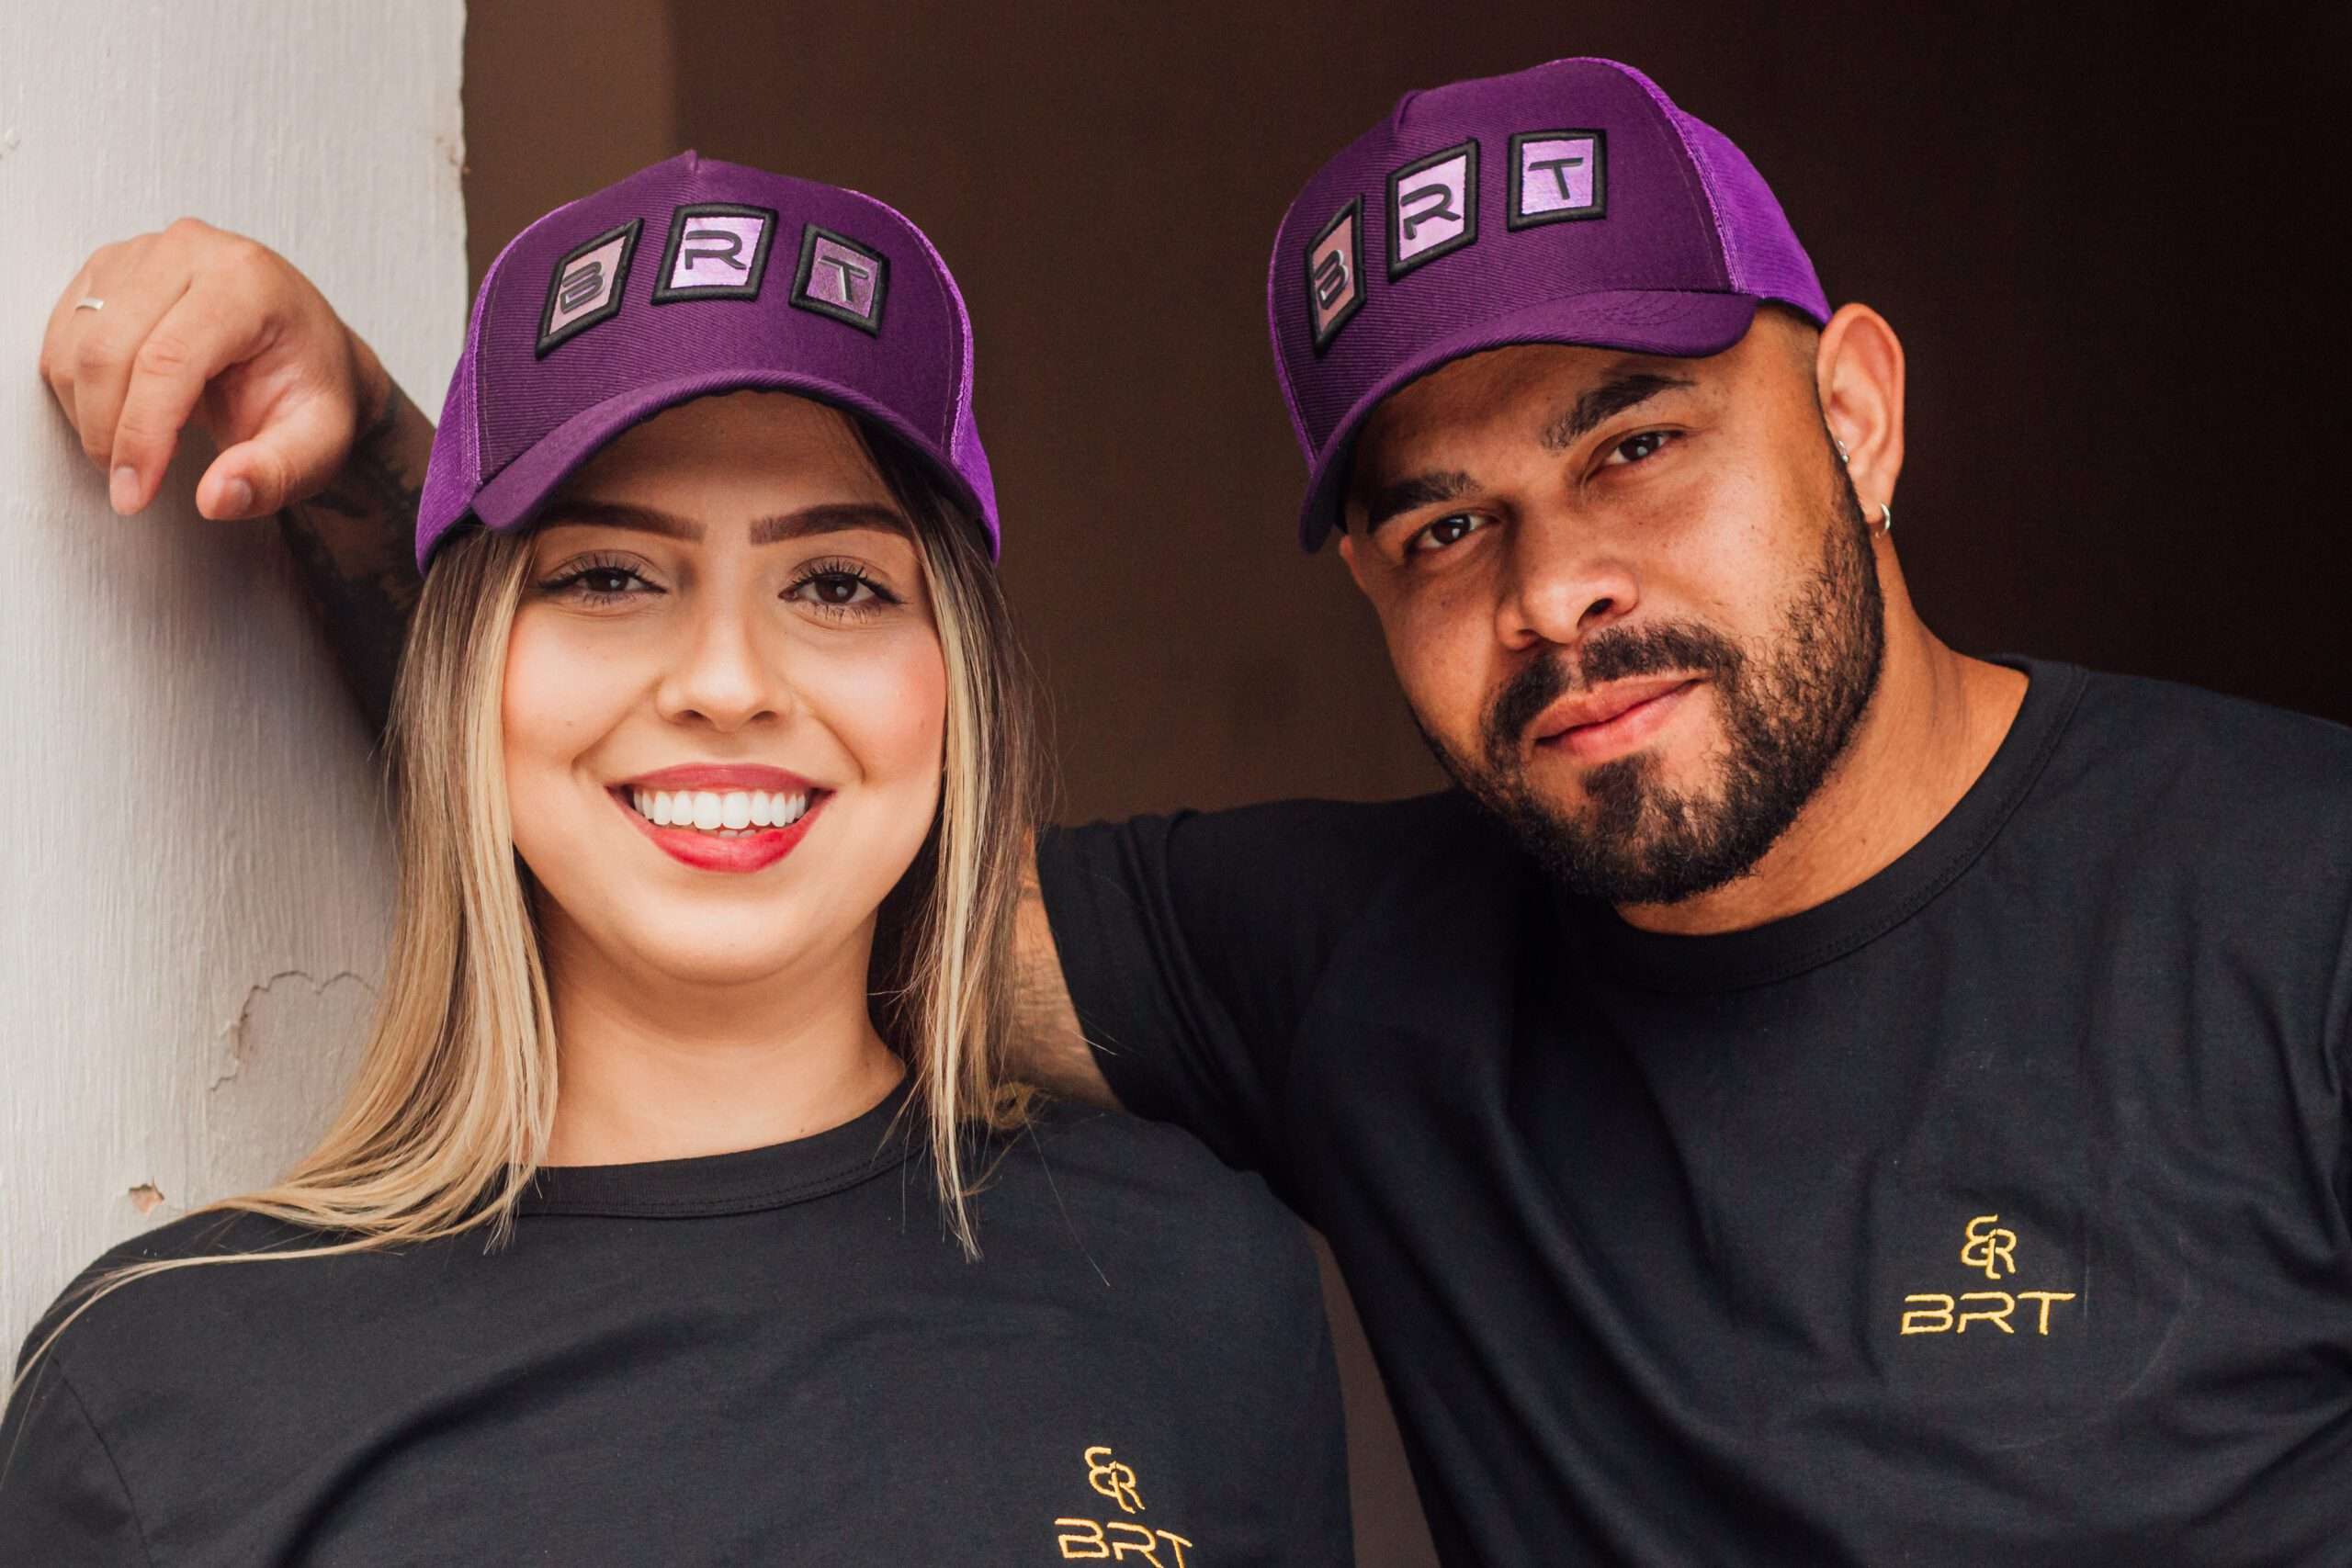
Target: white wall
(194, 870)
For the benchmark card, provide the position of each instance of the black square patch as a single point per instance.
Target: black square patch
(1334, 275)
(841, 278)
(1557, 176)
(587, 285)
(716, 251)
(1432, 208)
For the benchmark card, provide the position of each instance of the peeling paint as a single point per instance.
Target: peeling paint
(146, 1197)
(234, 1036)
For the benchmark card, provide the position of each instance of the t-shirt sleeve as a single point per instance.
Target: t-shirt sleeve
(63, 1502)
(1192, 944)
(1321, 1523)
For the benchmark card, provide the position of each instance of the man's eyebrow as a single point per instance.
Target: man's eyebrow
(1422, 489)
(827, 517)
(1613, 396)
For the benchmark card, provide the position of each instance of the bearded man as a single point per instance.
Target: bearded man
(1808, 1095)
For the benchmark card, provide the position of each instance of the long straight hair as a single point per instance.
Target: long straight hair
(449, 1119)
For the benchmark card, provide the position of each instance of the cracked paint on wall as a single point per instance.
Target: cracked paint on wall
(190, 943)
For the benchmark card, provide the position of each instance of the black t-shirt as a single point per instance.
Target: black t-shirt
(1994, 1211)
(761, 1357)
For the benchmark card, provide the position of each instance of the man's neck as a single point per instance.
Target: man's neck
(1933, 725)
(653, 1069)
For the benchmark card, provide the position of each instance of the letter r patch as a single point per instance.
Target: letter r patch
(1432, 208)
(841, 278)
(716, 251)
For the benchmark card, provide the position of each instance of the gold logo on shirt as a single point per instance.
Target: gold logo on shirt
(1120, 1541)
(1987, 1247)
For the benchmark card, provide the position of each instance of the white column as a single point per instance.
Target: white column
(195, 870)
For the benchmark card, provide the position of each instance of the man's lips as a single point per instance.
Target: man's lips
(1594, 725)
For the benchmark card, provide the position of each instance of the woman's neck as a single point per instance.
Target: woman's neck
(654, 1069)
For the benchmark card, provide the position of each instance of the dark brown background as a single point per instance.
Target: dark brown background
(2110, 248)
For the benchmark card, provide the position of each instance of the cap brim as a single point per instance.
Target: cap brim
(1674, 324)
(513, 497)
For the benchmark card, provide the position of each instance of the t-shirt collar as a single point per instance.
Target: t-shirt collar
(1762, 954)
(781, 1174)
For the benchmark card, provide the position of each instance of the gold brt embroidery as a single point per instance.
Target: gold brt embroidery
(1988, 1248)
(1117, 1540)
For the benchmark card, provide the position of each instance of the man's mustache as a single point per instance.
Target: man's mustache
(1666, 648)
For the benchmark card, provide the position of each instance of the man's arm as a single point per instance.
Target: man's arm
(1048, 1047)
(195, 323)
(354, 542)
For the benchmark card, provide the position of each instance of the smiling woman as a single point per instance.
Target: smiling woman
(681, 1164)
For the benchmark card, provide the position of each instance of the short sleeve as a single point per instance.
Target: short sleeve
(1321, 1527)
(63, 1502)
(1193, 943)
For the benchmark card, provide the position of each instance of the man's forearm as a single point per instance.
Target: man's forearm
(354, 542)
(1048, 1047)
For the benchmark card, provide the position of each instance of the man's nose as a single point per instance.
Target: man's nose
(1566, 581)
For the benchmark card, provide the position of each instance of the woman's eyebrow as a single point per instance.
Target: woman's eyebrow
(826, 517)
(829, 517)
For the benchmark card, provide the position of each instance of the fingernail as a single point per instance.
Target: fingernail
(236, 498)
(122, 491)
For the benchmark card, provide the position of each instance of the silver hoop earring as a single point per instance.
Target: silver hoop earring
(1885, 518)
(1843, 455)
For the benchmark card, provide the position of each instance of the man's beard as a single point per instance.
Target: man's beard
(1789, 707)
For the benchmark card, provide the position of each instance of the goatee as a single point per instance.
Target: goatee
(1789, 707)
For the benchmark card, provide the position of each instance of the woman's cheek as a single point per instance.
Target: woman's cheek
(888, 704)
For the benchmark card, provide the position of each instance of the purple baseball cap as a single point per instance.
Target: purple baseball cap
(690, 277)
(1570, 203)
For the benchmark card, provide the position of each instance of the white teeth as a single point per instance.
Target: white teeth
(733, 812)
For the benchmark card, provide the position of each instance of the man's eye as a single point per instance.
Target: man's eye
(1634, 449)
(1445, 532)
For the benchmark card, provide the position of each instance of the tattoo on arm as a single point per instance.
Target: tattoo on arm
(355, 545)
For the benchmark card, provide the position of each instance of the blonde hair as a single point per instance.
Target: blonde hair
(455, 1092)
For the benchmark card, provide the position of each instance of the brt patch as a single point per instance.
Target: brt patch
(1432, 208)
(1557, 175)
(1334, 275)
(841, 278)
(716, 251)
(586, 287)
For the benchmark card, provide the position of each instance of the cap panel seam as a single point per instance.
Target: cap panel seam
(1694, 168)
(960, 349)
(1283, 232)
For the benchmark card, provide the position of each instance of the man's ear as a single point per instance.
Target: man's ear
(1858, 373)
(1348, 554)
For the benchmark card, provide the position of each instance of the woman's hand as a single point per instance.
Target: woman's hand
(196, 318)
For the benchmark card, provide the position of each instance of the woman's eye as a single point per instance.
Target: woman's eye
(1445, 532)
(597, 584)
(1634, 449)
(840, 588)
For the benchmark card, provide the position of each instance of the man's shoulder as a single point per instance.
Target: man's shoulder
(1117, 1181)
(2182, 745)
